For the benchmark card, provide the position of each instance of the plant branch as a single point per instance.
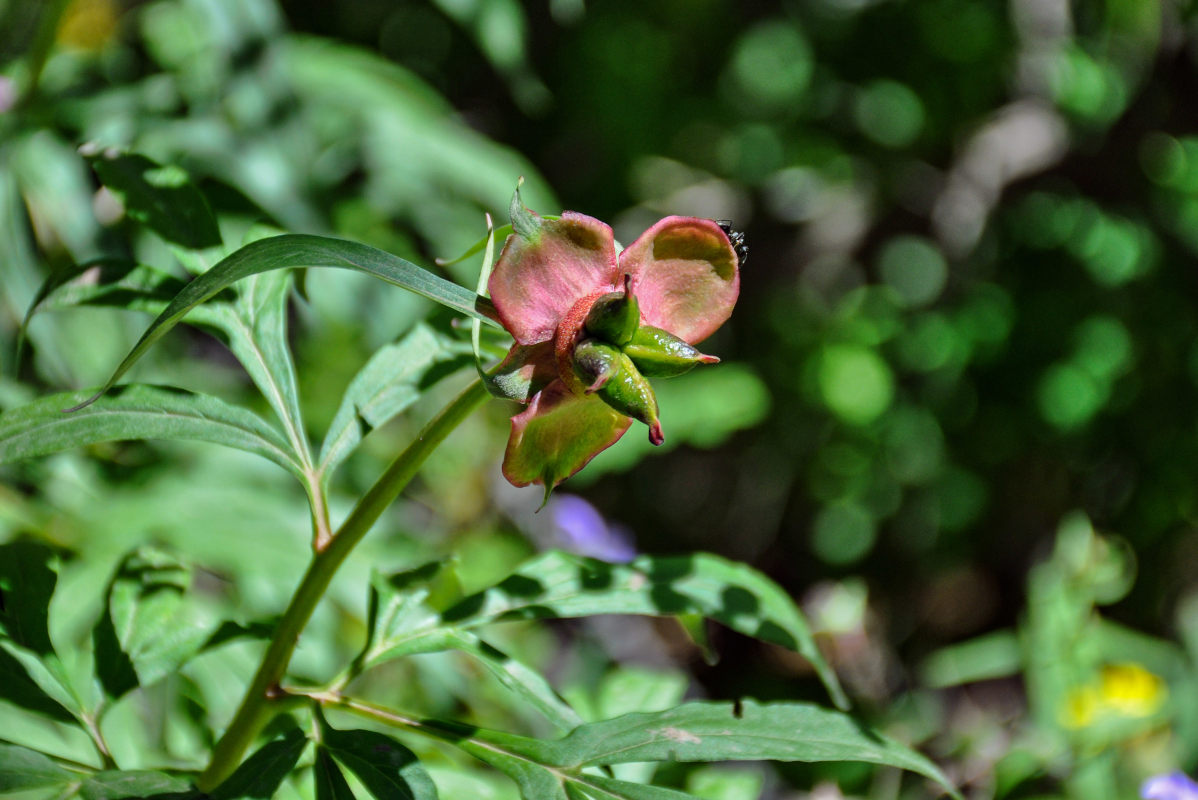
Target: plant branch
(256, 707)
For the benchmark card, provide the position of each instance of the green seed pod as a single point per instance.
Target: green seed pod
(661, 354)
(615, 379)
(595, 363)
(615, 316)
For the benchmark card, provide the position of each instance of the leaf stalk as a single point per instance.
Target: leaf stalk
(258, 706)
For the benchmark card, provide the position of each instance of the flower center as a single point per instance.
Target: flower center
(567, 335)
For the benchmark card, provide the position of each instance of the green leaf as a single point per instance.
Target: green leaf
(161, 197)
(557, 584)
(600, 787)
(22, 768)
(263, 772)
(302, 250)
(31, 675)
(149, 629)
(694, 732)
(330, 783)
(517, 677)
(48, 674)
(104, 282)
(136, 412)
(747, 731)
(406, 601)
(385, 767)
(27, 583)
(18, 688)
(394, 378)
(140, 784)
(257, 331)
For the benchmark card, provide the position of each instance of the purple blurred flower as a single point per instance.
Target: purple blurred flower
(1173, 786)
(582, 529)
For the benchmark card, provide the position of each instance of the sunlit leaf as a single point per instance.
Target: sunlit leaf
(301, 250)
(405, 600)
(517, 677)
(148, 629)
(394, 378)
(558, 584)
(139, 784)
(22, 768)
(136, 412)
(694, 732)
(257, 333)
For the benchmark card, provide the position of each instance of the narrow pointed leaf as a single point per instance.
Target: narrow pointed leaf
(19, 688)
(385, 767)
(136, 412)
(111, 282)
(149, 629)
(694, 732)
(404, 602)
(263, 772)
(519, 678)
(257, 332)
(394, 378)
(161, 197)
(37, 680)
(27, 583)
(749, 731)
(46, 673)
(22, 768)
(558, 584)
(600, 787)
(326, 775)
(136, 785)
(303, 250)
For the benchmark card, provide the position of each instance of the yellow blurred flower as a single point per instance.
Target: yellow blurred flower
(88, 24)
(1120, 690)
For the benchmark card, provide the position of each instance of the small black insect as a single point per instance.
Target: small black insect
(737, 239)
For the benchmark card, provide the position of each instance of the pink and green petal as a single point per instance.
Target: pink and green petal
(685, 276)
(541, 274)
(525, 371)
(557, 435)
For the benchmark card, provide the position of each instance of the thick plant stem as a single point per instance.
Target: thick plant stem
(256, 707)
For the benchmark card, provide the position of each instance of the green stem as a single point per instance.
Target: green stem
(256, 707)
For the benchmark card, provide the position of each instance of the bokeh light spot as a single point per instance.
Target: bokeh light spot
(1069, 396)
(914, 445)
(914, 268)
(856, 384)
(889, 113)
(929, 343)
(770, 68)
(1104, 347)
(1112, 251)
(1086, 86)
(843, 533)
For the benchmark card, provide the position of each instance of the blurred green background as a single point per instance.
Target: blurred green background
(966, 338)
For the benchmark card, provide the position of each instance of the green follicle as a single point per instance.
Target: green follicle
(661, 354)
(612, 376)
(614, 317)
(595, 363)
